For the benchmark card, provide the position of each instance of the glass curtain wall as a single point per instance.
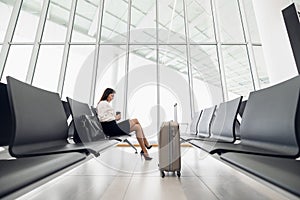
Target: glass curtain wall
(172, 61)
(47, 69)
(23, 40)
(78, 62)
(233, 47)
(153, 53)
(142, 87)
(111, 74)
(5, 13)
(256, 44)
(206, 77)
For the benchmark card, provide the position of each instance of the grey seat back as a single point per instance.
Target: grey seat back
(5, 117)
(94, 111)
(242, 107)
(223, 125)
(271, 118)
(67, 108)
(194, 123)
(205, 121)
(38, 117)
(80, 112)
(238, 123)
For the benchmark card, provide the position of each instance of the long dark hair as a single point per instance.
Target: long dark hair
(106, 93)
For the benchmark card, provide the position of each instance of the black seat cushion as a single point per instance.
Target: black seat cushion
(18, 173)
(283, 172)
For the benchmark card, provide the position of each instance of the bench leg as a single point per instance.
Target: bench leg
(127, 141)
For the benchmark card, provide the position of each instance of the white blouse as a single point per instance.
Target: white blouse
(105, 112)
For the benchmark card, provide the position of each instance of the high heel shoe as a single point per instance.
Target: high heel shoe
(145, 156)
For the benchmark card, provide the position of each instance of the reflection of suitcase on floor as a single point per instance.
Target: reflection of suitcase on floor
(169, 148)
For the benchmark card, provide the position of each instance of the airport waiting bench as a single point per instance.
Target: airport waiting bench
(269, 124)
(200, 126)
(216, 125)
(19, 173)
(78, 111)
(36, 134)
(40, 123)
(269, 136)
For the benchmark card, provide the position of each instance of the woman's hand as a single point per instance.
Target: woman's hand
(118, 117)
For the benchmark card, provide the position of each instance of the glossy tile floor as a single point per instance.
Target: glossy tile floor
(118, 173)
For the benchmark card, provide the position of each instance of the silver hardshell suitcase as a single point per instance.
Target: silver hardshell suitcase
(169, 148)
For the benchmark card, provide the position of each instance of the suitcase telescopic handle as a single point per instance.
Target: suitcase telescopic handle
(175, 112)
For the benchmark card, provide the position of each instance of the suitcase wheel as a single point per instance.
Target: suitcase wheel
(162, 173)
(178, 173)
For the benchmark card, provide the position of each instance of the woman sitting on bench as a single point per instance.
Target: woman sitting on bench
(112, 128)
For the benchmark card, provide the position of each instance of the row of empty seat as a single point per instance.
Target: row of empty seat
(265, 143)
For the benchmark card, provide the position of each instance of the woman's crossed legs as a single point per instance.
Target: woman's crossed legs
(136, 126)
